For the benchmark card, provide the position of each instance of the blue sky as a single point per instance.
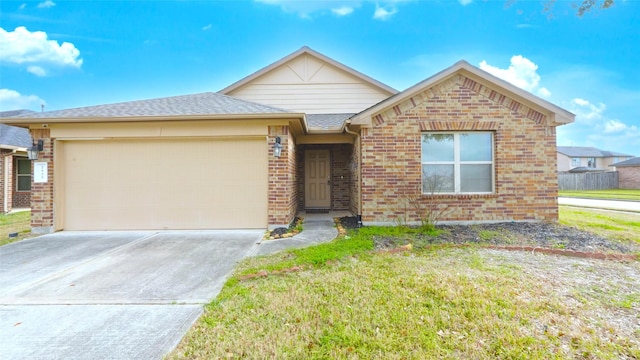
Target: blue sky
(68, 54)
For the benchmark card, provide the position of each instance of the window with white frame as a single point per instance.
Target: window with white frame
(575, 161)
(591, 162)
(23, 175)
(459, 162)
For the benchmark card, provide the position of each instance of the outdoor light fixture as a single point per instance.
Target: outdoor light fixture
(33, 151)
(277, 147)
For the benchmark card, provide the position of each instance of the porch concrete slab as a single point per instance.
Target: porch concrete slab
(317, 229)
(93, 331)
(159, 268)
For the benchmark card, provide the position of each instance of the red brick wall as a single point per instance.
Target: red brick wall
(340, 176)
(282, 179)
(42, 193)
(629, 177)
(354, 174)
(525, 156)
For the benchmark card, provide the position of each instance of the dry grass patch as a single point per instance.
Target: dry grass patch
(448, 303)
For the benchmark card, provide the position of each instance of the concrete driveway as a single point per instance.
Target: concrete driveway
(110, 295)
(620, 205)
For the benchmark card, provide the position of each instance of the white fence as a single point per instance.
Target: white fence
(588, 181)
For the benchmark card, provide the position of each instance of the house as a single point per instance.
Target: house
(306, 132)
(584, 159)
(628, 173)
(15, 167)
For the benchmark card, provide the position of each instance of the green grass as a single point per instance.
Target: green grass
(349, 302)
(14, 223)
(614, 194)
(622, 227)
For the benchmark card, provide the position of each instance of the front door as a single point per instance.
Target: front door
(317, 179)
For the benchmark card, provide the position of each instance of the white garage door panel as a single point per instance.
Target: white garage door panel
(165, 184)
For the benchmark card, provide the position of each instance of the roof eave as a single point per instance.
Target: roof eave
(26, 122)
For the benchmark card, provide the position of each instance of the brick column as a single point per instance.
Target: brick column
(282, 179)
(42, 193)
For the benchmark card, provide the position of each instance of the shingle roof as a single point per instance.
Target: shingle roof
(208, 103)
(326, 121)
(586, 151)
(631, 162)
(14, 136)
(11, 113)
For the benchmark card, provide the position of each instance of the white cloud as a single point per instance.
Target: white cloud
(46, 4)
(13, 100)
(383, 14)
(586, 111)
(34, 48)
(617, 126)
(36, 70)
(594, 127)
(22, 6)
(522, 73)
(305, 9)
(206, 27)
(465, 2)
(342, 11)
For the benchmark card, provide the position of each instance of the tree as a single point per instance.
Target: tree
(583, 6)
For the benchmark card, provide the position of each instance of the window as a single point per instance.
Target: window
(575, 161)
(591, 162)
(457, 162)
(23, 175)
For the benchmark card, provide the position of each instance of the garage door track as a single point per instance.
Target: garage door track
(110, 295)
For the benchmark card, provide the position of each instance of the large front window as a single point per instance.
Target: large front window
(457, 162)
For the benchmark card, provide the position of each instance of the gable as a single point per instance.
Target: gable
(471, 80)
(311, 83)
(463, 96)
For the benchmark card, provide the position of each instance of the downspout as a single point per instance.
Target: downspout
(357, 136)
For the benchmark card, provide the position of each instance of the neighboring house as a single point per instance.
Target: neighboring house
(584, 159)
(463, 138)
(15, 167)
(628, 173)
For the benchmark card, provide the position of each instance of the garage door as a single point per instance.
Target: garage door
(164, 184)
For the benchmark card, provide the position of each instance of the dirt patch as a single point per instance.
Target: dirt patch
(585, 287)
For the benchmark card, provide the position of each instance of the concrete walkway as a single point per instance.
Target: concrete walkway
(620, 205)
(317, 229)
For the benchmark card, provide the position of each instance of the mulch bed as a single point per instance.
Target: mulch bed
(516, 235)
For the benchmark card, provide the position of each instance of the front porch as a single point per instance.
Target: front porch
(327, 178)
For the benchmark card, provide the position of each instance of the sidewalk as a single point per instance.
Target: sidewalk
(621, 205)
(316, 229)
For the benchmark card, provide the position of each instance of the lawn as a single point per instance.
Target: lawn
(343, 300)
(613, 194)
(618, 226)
(14, 223)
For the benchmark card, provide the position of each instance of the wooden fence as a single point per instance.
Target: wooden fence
(588, 181)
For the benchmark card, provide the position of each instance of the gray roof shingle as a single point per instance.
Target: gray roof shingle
(631, 162)
(586, 151)
(14, 136)
(326, 121)
(12, 113)
(208, 103)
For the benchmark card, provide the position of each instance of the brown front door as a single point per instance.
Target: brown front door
(317, 179)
